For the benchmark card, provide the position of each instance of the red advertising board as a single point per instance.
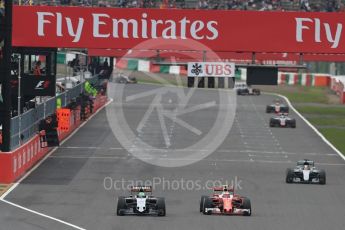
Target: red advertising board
(251, 31)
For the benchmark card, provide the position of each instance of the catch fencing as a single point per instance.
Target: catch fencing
(25, 126)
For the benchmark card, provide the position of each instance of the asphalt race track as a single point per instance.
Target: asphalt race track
(69, 185)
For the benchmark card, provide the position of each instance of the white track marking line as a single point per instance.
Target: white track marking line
(197, 108)
(204, 160)
(270, 139)
(183, 124)
(170, 159)
(147, 114)
(2, 198)
(163, 126)
(330, 164)
(309, 124)
(43, 215)
(205, 150)
(269, 156)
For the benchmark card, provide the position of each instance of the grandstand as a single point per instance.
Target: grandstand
(263, 5)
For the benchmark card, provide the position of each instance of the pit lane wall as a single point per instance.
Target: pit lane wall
(14, 164)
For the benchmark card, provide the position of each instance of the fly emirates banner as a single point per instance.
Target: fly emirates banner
(246, 31)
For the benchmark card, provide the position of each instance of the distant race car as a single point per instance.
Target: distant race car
(141, 203)
(243, 89)
(277, 107)
(123, 79)
(225, 202)
(305, 172)
(282, 120)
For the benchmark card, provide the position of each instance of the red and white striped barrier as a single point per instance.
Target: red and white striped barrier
(304, 79)
(338, 86)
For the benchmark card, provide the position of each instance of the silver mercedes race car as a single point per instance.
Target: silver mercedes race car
(282, 120)
(141, 202)
(305, 172)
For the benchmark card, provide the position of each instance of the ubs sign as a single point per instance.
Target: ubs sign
(211, 69)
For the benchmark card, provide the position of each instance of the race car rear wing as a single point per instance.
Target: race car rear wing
(223, 188)
(284, 114)
(306, 161)
(141, 189)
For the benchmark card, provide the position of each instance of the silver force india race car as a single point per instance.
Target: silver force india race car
(305, 172)
(277, 107)
(225, 202)
(243, 89)
(141, 202)
(282, 120)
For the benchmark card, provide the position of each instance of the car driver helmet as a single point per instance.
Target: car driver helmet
(226, 195)
(306, 166)
(141, 195)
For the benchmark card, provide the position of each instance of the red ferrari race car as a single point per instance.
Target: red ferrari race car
(224, 201)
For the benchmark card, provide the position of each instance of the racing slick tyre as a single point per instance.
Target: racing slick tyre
(119, 80)
(322, 177)
(272, 123)
(207, 204)
(202, 202)
(289, 176)
(247, 205)
(121, 206)
(133, 80)
(161, 206)
(293, 124)
(268, 109)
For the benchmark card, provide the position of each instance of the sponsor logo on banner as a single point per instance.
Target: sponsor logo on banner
(42, 85)
(39, 86)
(211, 69)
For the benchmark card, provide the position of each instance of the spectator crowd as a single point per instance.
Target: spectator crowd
(262, 5)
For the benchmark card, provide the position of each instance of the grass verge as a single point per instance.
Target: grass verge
(327, 121)
(317, 106)
(335, 136)
(322, 110)
(307, 95)
(300, 94)
(4, 188)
